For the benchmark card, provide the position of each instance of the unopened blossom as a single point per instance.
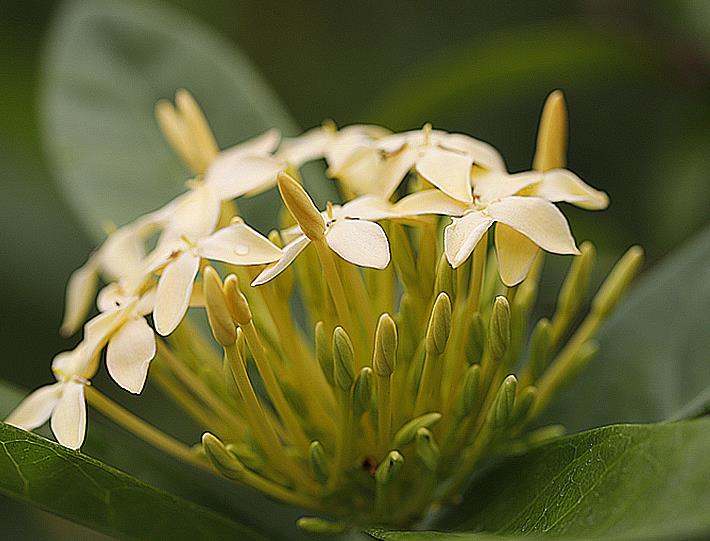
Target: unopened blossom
(61, 403)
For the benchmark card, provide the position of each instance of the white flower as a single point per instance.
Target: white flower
(62, 402)
(351, 232)
(443, 159)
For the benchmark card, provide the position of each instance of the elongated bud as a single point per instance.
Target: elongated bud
(545, 434)
(576, 284)
(617, 282)
(175, 131)
(551, 150)
(437, 333)
(426, 448)
(362, 391)
(301, 207)
(218, 313)
(318, 461)
(501, 410)
(324, 352)
(199, 131)
(389, 468)
(469, 391)
(444, 277)
(343, 359)
(523, 403)
(384, 359)
(476, 339)
(236, 301)
(582, 358)
(321, 526)
(224, 461)
(403, 256)
(406, 434)
(540, 341)
(499, 328)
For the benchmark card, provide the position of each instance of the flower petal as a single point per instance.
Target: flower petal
(36, 409)
(174, 290)
(515, 253)
(539, 220)
(306, 147)
(365, 207)
(290, 252)
(462, 236)
(129, 353)
(69, 416)
(493, 185)
(360, 242)
(79, 297)
(482, 153)
(391, 172)
(232, 177)
(564, 185)
(239, 244)
(429, 202)
(73, 362)
(449, 171)
(195, 217)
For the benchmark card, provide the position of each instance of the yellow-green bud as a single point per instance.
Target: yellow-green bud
(426, 448)
(499, 328)
(617, 282)
(476, 339)
(437, 334)
(324, 352)
(321, 526)
(406, 434)
(576, 283)
(523, 403)
(540, 341)
(389, 468)
(301, 207)
(444, 277)
(469, 391)
(384, 359)
(218, 313)
(343, 359)
(318, 461)
(224, 461)
(362, 391)
(582, 358)
(236, 301)
(501, 409)
(551, 151)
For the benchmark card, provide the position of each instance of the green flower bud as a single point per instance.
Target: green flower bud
(476, 339)
(437, 334)
(389, 468)
(426, 448)
(501, 410)
(320, 526)
(218, 313)
(470, 390)
(384, 358)
(323, 352)
(343, 359)
(301, 207)
(318, 461)
(406, 434)
(523, 403)
(540, 341)
(224, 461)
(499, 328)
(617, 282)
(576, 284)
(362, 391)
(236, 301)
(444, 277)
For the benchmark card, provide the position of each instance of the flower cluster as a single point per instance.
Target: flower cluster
(395, 379)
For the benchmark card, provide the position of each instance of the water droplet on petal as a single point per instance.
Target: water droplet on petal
(241, 249)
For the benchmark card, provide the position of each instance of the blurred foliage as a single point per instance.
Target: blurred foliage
(636, 76)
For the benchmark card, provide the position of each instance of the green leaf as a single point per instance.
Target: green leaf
(653, 363)
(107, 64)
(89, 492)
(528, 60)
(622, 482)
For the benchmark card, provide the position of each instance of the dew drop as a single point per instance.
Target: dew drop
(241, 249)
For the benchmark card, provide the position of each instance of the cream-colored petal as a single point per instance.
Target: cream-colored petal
(69, 416)
(538, 219)
(239, 244)
(449, 171)
(360, 242)
(290, 252)
(350, 140)
(261, 145)
(360, 172)
(365, 207)
(492, 185)
(483, 154)
(174, 290)
(251, 175)
(391, 172)
(79, 297)
(98, 330)
(462, 236)
(73, 362)
(306, 147)
(515, 253)
(122, 253)
(129, 353)
(36, 409)
(429, 202)
(564, 185)
(195, 217)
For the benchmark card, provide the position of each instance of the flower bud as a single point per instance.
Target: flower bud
(426, 448)
(321, 526)
(499, 328)
(523, 403)
(224, 461)
(218, 313)
(236, 301)
(389, 468)
(384, 358)
(343, 359)
(437, 334)
(444, 277)
(406, 434)
(617, 282)
(318, 461)
(301, 207)
(540, 341)
(201, 138)
(501, 409)
(551, 151)
(362, 391)
(323, 352)
(576, 283)
(476, 339)
(469, 391)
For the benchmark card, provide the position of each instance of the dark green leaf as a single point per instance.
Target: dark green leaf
(653, 362)
(107, 65)
(87, 491)
(622, 482)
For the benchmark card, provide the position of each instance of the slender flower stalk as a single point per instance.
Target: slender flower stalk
(363, 392)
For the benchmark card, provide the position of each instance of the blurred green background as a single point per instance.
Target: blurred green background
(636, 76)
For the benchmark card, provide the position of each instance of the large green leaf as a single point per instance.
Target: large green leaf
(654, 362)
(87, 491)
(107, 64)
(623, 482)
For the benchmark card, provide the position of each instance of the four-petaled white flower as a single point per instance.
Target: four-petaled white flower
(351, 232)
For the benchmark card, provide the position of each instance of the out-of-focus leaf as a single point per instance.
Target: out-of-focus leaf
(654, 360)
(497, 66)
(107, 64)
(622, 482)
(87, 491)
